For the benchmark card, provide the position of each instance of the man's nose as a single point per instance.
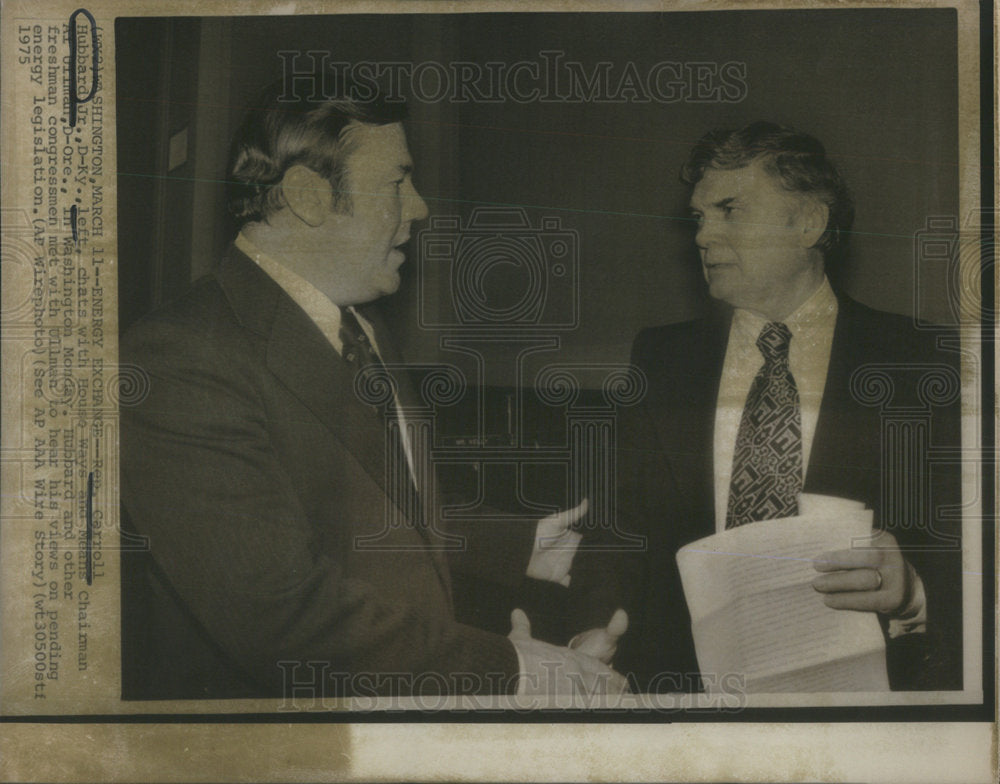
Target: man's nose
(416, 207)
(706, 233)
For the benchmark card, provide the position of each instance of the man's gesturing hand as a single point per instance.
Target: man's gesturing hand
(555, 545)
(602, 643)
(874, 578)
(549, 669)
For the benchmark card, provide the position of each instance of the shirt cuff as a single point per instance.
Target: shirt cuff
(912, 619)
(522, 674)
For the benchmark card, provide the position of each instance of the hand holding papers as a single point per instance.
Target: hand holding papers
(872, 576)
(754, 610)
(875, 578)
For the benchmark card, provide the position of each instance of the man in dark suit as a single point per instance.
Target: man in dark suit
(293, 543)
(788, 387)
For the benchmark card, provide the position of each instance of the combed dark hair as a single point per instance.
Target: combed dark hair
(797, 159)
(280, 131)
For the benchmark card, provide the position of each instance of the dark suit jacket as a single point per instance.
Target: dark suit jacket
(666, 486)
(252, 467)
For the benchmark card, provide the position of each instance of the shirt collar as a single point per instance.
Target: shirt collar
(818, 311)
(323, 312)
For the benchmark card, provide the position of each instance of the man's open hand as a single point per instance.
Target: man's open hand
(602, 643)
(555, 545)
(548, 669)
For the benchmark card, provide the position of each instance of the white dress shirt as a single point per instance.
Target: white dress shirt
(812, 326)
(323, 313)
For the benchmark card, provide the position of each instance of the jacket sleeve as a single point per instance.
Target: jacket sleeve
(932, 542)
(609, 569)
(490, 575)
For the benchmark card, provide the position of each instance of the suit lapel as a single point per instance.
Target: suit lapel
(685, 423)
(845, 427)
(302, 359)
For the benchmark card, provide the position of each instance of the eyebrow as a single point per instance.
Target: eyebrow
(720, 204)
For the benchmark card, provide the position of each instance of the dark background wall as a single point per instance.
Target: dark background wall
(878, 87)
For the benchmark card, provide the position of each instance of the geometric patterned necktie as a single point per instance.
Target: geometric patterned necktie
(767, 462)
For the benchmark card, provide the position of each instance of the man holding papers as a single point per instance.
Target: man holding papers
(790, 388)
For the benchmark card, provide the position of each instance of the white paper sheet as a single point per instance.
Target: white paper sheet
(754, 610)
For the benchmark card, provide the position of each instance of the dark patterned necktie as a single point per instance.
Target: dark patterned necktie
(767, 462)
(360, 354)
(358, 350)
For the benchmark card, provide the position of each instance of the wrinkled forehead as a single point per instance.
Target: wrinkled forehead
(752, 181)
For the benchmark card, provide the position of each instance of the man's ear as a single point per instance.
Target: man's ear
(812, 222)
(307, 194)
